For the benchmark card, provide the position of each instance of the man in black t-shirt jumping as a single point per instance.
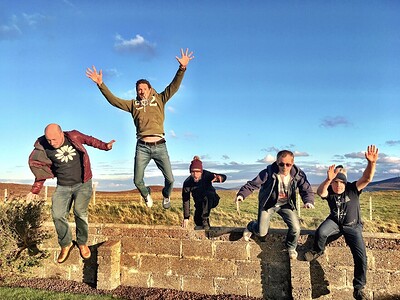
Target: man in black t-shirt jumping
(345, 218)
(61, 154)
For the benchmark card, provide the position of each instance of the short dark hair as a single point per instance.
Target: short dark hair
(284, 153)
(140, 81)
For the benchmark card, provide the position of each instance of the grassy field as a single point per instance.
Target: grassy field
(128, 208)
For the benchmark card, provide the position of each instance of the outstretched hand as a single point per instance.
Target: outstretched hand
(184, 60)
(97, 77)
(372, 153)
(217, 178)
(331, 173)
(110, 144)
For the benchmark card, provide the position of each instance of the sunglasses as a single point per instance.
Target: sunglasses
(281, 164)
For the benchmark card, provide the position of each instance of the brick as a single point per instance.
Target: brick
(130, 260)
(204, 285)
(388, 260)
(255, 288)
(166, 281)
(157, 246)
(202, 267)
(129, 278)
(230, 250)
(335, 277)
(379, 280)
(197, 248)
(109, 256)
(393, 285)
(230, 286)
(154, 264)
(248, 269)
(339, 256)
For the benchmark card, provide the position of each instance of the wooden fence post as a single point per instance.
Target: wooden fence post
(5, 195)
(45, 193)
(94, 184)
(298, 204)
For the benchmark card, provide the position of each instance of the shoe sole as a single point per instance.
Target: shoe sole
(85, 257)
(66, 257)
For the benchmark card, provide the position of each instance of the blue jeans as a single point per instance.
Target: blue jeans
(330, 230)
(288, 215)
(63, 197)
(159, 154)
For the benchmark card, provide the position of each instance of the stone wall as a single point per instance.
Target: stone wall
(219, 261)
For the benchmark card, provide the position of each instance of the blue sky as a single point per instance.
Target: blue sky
(320, 78)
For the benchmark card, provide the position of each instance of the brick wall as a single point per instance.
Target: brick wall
(220, 262)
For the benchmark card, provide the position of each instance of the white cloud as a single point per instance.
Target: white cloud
(300, 154)
(172, 134)
(389, 160)
(33, 19)
(9, 31)
(330, 122)
(138, 44)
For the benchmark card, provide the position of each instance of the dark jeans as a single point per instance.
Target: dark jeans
(203, 206)
(329, 230)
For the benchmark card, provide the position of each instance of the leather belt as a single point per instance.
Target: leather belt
(159, 142)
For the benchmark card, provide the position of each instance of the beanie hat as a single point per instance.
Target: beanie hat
(196, 164)
(341, 176)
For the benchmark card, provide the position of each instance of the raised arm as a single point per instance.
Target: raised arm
(372, 156)
(322, 190)
(97, 77)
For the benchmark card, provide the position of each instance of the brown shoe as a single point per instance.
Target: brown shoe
(64, 253)
(85, 251)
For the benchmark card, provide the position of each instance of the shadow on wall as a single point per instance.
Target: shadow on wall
(275, 267)
(387, 297)
(90, 267)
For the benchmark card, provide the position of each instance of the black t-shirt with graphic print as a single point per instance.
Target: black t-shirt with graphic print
(67, 164)
(345, 207)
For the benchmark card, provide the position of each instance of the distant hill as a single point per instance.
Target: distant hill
(15, 189)
(384, 185)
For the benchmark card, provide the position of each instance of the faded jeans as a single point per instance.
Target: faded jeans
(329, 230)
(63, 198)
(288, 215)
(159, 154)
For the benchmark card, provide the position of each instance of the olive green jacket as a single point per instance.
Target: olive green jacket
(148, 115)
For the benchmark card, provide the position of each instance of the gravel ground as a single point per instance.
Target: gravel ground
(122, 292)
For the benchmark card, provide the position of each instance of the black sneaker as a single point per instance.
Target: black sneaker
(360, 294)
(206, 224)
(311, 255)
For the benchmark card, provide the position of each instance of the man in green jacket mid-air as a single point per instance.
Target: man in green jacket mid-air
(148, 115)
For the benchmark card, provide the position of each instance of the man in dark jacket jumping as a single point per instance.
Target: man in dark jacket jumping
(278, 184)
